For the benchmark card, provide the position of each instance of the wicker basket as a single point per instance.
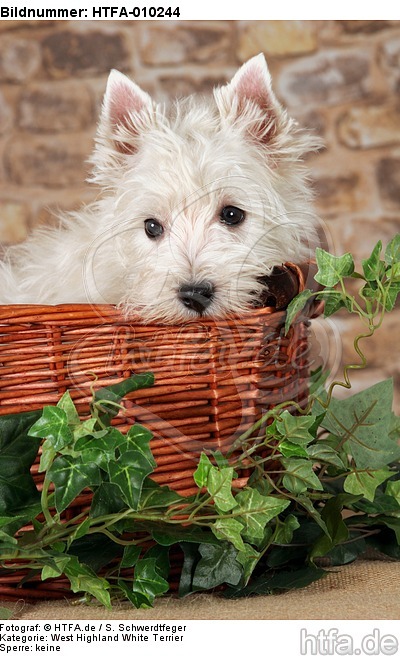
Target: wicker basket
(213, 379)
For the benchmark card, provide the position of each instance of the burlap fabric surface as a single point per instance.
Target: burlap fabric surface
(362, 590)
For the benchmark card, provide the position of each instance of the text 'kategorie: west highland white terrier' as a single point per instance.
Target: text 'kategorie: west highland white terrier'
(199, 202)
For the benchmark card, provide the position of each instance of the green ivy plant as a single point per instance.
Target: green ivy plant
(324, 485)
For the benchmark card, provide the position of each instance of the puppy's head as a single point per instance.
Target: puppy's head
(203, 198)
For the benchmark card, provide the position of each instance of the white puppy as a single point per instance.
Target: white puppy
(199, 202)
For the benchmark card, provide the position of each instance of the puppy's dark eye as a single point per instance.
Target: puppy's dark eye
(153, 228)
(232, 216)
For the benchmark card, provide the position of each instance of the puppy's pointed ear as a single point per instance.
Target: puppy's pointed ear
(248, 101)
(126, 111)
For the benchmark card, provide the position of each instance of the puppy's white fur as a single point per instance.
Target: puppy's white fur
(180, 165)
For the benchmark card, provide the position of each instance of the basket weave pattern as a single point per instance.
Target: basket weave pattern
(213, 380)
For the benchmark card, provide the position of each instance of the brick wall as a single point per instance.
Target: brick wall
(341, 78)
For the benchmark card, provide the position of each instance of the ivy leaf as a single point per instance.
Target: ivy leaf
(85, 428)
(393, 490)
(290, 450)
(296, 305)
(366, 482)
(161, 555)
(47, 456)
(248, 559)
(383, 503)
(306, 502)
(107, 500)
(218, 564)
(285, 530)
(256, 511)
(227, 528)
(9, 525)
(101, 450)
(220, 459)
(53, 426)
(55, 567)
(343, 554)
(269, 582)
(70, 476)
(299, 476)
(5, 537)
(332, 269)
(394, 524)
(294, 579)
(372, 267)
(147, 584)
(158, 496)
(137, 439)
(364, 420)
(129, 472)
(259, 481)
(296, 428)
(67, 405)
(393, 273)
(203, 469)
(191, 557)
(391, 293)
(297, 552)
(333, 302)
(17, 454)
(384, 542)
(108, 398)
(219, 486)
(95, 550)
(83, 579)
(392, 252)
(338, 531)
(322, 452)
(80, 531)
(130, 556)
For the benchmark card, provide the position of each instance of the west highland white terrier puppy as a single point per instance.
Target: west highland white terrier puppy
(199, 202)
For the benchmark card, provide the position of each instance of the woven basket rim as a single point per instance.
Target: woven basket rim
(33, 312)
(108, 312)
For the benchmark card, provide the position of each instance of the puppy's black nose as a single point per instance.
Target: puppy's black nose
(197, 297)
